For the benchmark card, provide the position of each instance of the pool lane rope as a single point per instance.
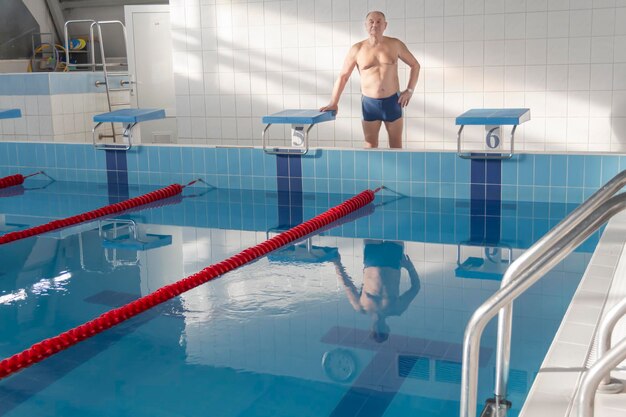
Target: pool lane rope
(161, 194)
(53, 345)
(17, 179)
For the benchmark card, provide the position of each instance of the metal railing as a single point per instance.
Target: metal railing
(598, 377)
(92, 56)
(526, 270)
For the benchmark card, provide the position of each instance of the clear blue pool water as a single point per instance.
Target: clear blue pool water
(283, 336)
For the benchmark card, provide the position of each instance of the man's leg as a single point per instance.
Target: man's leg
(394, 130)
(370, 131)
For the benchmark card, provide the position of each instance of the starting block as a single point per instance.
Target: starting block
(10, 113)
(129, 118)
(493, 120)
(301, 122)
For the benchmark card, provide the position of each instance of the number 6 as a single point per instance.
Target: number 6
(493, 140)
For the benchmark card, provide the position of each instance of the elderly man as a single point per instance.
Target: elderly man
(377, 61)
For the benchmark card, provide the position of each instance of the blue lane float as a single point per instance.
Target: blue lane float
(129, 118)
(301, 121)
(493, 120)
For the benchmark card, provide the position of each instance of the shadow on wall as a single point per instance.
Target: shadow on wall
(618, 123)
(17, 25)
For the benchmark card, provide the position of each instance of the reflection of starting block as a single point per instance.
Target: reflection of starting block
(6, 227)
(301, 122)
(304, 253)
(129, 118)
(125, 234)
(301, 252)
(493, 120)
(10, 113)
(491, 266)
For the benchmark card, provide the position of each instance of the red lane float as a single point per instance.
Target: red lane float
(53, 345)
(12, 180)
(163, 193)
(17, 179)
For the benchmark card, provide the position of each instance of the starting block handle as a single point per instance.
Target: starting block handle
(484, 155)
(127, 135)
(287, 151)
(301, 121)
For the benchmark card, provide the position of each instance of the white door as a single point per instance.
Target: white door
(150, 63)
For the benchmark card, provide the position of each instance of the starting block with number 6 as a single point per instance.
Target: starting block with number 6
(493, 120)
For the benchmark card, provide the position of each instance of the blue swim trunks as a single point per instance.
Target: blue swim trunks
(385, 109)
(385, 253)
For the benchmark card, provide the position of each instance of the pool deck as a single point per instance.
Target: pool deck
(603, 284)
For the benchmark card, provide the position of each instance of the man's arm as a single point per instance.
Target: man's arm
(351, 291)
(405, 299)
(407, 57)
(344, 75)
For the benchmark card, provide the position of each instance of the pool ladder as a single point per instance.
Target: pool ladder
(125, 82)
(551, 249)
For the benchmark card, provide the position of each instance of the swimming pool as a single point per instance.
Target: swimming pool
(281, 336)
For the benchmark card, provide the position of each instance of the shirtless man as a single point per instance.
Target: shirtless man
(377, 61)
(380, 293)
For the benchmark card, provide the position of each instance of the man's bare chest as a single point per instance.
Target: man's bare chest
(378, 58)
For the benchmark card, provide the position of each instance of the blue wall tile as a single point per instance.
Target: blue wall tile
(593, 170)
(462, 170)
(347, 164)
(187, 159)
(153, 159)
(542, 170)
(462, 191)
(433, 167)
(361, 163)
(610, 167)
(321, 164)
(575, 170)
(526, 170)
(198, 161)
(233, 161)
(418, 167)
(403, 166)
(493, 169)
(334, 165)
(558, 170)
(509, 170)
(375, 166)
(479, 171)
(221, 161)
(448, 167)
(390, 165)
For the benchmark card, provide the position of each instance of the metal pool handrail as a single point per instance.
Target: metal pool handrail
(595, 375)
(605, 331)
(599, 375)
(528, 268)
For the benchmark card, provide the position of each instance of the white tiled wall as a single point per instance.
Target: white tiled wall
(235, 61)
(53, 118)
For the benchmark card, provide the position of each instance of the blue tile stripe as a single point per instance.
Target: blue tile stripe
(526, 177)
(117, 176)
(486, 201)
(289, 187)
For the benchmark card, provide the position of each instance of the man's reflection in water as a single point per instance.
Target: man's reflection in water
(380, 293)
